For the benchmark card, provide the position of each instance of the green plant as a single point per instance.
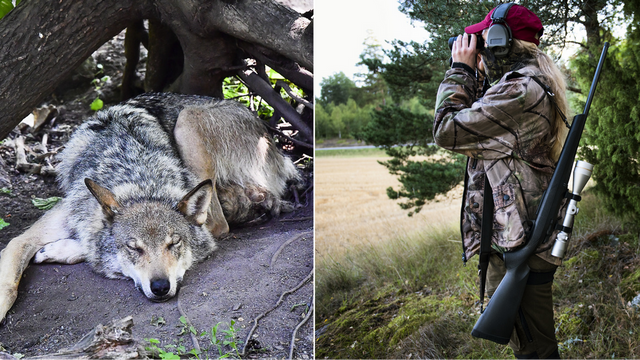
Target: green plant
(228, 339)
(186, 327)
(3, 224)
(5, 7)
(97, 103)
(153, 347)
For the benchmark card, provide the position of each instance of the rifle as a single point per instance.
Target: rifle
(498, 319)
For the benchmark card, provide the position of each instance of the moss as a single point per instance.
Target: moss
(572, 322)
(370, 329)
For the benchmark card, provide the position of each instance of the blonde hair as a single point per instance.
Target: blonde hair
(552, 77)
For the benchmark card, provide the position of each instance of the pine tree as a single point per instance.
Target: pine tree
(612, 138)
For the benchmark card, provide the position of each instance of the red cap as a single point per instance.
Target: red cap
(524, 24)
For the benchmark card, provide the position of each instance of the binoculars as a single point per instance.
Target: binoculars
(479, 42)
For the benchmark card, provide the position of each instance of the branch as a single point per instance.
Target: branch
(283, 65)
(264, 89)
(574, 89)
(578, 43)
(297, 98)
(253, 21)
(297, 142)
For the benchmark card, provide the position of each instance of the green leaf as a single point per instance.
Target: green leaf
(97, 104)
(45, 204)
(169, 356)
(5, 7)
(153, 341)
(3, 224)
(5, 191)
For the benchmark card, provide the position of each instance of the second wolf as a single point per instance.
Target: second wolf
(140, 183)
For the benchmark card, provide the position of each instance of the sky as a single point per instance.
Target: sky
(341, 26)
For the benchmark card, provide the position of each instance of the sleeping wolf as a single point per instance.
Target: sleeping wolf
(148, 185)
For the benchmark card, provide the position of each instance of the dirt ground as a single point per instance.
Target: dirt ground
(58, 304)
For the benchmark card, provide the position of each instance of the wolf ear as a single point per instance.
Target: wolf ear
(195, 204)
(105, 197)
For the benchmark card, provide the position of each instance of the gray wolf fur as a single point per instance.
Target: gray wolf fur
(148, 186)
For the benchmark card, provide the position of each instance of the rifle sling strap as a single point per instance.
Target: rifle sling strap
(547, 91)
(485, 237)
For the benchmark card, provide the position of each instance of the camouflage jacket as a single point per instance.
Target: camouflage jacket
(507, 136)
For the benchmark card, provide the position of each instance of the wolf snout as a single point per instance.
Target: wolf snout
(160, 287)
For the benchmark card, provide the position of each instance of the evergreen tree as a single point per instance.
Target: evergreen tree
(404, 134)
(611, 135)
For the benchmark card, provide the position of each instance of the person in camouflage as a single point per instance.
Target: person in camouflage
(512, 133)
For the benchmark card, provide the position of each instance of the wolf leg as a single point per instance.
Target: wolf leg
(64, 251)
(15, 257)
(193, 152)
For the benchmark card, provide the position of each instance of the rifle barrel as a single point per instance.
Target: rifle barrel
(594, 83)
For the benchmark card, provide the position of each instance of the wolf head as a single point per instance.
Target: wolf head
(154, 243)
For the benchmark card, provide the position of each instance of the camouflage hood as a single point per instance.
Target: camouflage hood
(507, 135)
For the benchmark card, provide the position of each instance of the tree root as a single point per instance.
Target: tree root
(255, 325)
(297, 219)
(295, 331)
(194, 339)
(277, 253)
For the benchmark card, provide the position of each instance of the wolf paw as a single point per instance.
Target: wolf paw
(66, 251)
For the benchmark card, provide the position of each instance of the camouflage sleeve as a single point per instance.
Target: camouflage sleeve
(491, 127)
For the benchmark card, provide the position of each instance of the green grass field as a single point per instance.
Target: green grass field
(369, 152)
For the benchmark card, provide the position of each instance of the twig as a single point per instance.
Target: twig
(292, 95)
(297, 142)
(255, 325)
(194, 339)
(297, 219)
(256, 84)
(275, 255)
(22, 163)
(308, 189)
(304, 321)
(296, 197)
(284, 66)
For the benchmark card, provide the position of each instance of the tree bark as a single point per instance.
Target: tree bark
(42, 42)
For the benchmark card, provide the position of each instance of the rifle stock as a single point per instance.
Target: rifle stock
(498, 319)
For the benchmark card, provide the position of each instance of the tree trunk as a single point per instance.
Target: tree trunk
(41, 42)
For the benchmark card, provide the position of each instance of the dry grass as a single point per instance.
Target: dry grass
(352, 207)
